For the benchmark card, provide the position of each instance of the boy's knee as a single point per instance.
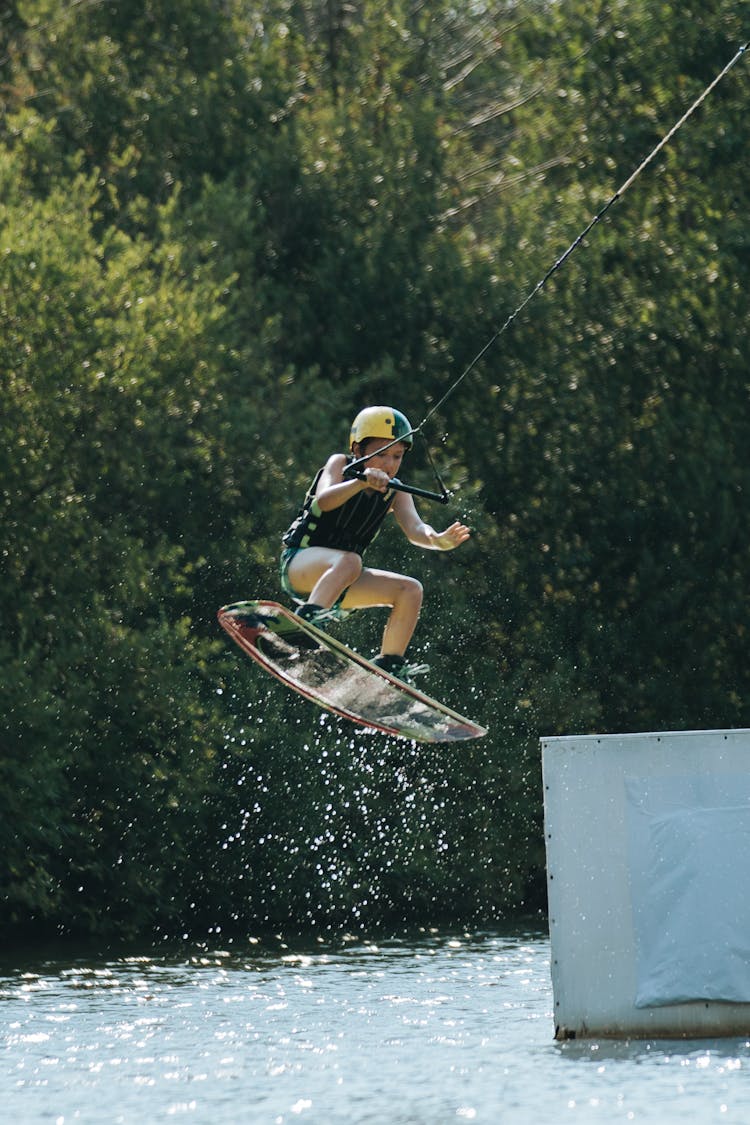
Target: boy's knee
(349, 567)
(414, 591)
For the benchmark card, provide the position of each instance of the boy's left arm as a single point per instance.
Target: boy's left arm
(420, 533)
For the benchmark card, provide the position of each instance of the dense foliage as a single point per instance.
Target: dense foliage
(224, 228)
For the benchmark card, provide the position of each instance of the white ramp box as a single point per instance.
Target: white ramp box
(648, 875)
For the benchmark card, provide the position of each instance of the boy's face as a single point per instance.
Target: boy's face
(389, 460)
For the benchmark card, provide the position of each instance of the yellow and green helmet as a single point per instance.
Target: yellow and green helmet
(381, 422)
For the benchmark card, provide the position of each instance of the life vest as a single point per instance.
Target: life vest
(350, 527)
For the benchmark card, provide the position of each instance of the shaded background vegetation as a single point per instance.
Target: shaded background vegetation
(224, 228)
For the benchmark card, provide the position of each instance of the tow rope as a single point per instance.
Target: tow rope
(443, 497)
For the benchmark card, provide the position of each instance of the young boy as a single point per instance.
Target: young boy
(341, 516)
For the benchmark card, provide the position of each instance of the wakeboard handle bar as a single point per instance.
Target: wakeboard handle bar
(399, 486)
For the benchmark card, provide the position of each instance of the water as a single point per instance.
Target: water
(416, 1032)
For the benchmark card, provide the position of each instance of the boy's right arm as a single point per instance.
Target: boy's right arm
(333, 490)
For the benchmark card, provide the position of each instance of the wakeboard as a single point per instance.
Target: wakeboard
(325, 671)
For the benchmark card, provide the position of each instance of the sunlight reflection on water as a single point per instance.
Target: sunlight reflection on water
(446, 1029)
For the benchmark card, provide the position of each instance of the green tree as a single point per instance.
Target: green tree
(222, 231)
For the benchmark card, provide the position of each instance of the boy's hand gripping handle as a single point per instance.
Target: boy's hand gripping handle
(399, 486)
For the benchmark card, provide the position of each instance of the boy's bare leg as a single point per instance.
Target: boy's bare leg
(403, 594)
(324, 573)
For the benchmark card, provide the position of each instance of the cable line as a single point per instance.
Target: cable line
(577, 241)
(354, 469)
